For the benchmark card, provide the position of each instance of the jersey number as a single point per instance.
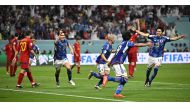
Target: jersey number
(23, 46)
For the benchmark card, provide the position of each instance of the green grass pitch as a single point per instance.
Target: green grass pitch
(171, 84)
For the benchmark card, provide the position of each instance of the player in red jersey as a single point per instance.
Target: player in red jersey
(132, 54)
(8, 52)
(14, 43)
(25, 48)
(77, 57)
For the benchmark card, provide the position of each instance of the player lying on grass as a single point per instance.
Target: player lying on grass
(156, 51)
(102, 61)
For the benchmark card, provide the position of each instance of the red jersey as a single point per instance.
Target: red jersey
(134, 50)
(134, 37)
(77, 48)
(8, 50)
(14, 43)
(25, 46)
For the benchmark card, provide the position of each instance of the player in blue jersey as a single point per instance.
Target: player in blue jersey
(60, 57)
(117, 64)
(102, 61)
(156, 51)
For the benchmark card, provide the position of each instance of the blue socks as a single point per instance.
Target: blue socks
(119, 89)
(154, 74)
(148, 74)
(97, 75)
(69, 74)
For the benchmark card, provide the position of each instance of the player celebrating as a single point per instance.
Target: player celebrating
(14, 43)
(156, 52)
(118, 67)
(60, 57)
(8, 52)
(102, 61)
(25, 48)
(77, 57)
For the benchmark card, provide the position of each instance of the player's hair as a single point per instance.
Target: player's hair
(162, 29)
(111, 37)
(28, 32)
(16, 35)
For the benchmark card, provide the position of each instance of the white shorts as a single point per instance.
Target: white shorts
(102, 68)
(154, 61)
(59, 63)
(119, 70)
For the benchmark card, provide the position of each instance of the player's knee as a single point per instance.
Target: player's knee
(132, 63)
(123, 80)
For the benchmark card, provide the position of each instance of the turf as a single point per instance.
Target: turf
(171, 84)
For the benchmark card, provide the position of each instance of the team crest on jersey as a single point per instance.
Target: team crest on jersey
(161, 41)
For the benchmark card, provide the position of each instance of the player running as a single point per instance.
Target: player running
(77, 57)
(102, 61)
(60, 57)
(118, 67)
(25, 48)
(156, 51)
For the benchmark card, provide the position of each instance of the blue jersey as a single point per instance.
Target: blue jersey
(36, 49)
(157, 50)
(121, 52)
(60, 49)
(106, 50)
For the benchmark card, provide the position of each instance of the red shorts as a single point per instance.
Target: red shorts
(24, 65)
(77, 59)
(132, 54)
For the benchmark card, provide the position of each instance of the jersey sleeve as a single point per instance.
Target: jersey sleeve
(167, 39)
(130, 44)
(151, 36)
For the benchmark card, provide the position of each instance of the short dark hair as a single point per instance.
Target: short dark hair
(16, 34)
(160, 29)
(27, 33)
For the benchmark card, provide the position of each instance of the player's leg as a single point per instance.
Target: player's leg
(122, 77)
(69, 72)
(30, 77)
(149, 69)
(8, 64)
(97, 86)
(57, 72)
(78, 67)
(20, 78)
(158, 62)
(15, 68)
(92, 73)
(106, 74)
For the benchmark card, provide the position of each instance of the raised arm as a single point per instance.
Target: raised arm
(142, 44)
(139, 32)
(177, 38)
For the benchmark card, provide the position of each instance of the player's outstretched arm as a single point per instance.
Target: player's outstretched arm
(177, 38)
(139, 32)
(142, 44)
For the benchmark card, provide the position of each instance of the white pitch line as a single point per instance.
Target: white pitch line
(129, 81)
(78, 96)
